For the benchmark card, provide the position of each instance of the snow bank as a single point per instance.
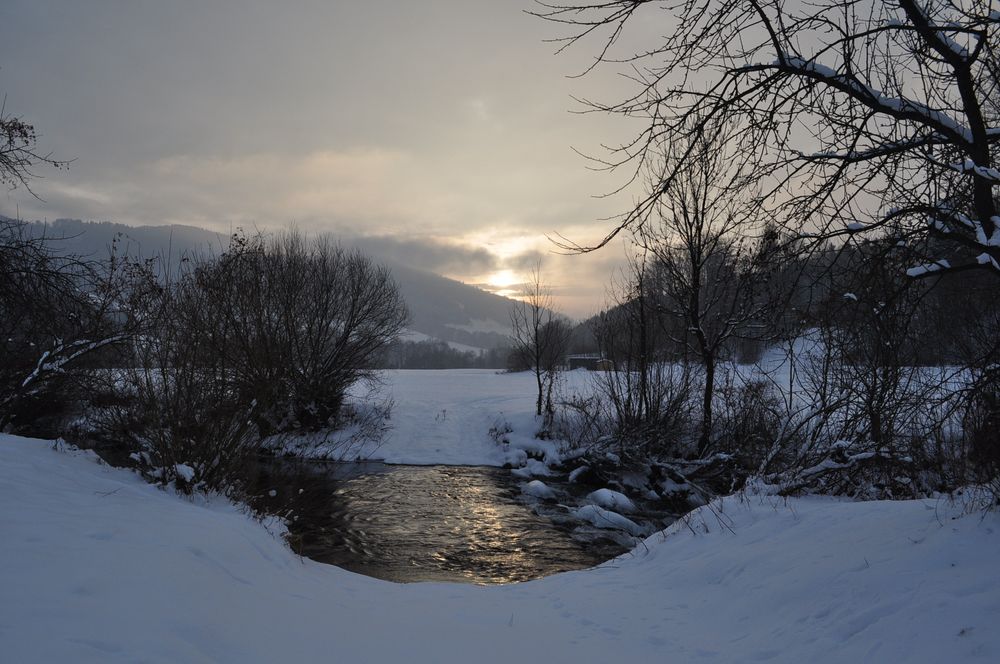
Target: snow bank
(96, 566)
(602, 518)
(538, 489)
(184, 471)
(446, 417)
(612, 500)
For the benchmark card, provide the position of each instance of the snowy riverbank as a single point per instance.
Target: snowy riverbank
(445, 417)
(97, 566)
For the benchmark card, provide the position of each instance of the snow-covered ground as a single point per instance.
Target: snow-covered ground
(96, 566)
(445, 417)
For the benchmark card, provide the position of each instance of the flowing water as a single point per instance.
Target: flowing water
(424, 523)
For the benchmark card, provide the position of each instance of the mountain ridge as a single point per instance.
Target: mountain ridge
(440, 307)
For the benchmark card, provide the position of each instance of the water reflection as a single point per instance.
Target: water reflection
(422, 523)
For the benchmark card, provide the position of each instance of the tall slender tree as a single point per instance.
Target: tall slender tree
(540, 338)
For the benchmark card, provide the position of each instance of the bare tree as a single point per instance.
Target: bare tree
(873, 121)
(19, 153)
(266, 338)
(715, 260)
(540, 338)
(58, 312)
(174, 404)
(877, 118)
(41, 308)
(301, 321)
(648, 390)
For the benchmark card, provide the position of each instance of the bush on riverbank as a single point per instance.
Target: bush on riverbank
(264, 339)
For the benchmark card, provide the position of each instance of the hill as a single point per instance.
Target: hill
(441, 308)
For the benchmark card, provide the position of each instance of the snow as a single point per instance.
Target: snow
(951, 44)
(602, 518)
(445, 417)
(184, 471)
(876, 99)
(483, 325)
(612, 500)
(928, 268)
(530, 467)
(424, 433)
(985, 172)
(986, 259)
(97, 566)
(538, 489)
(464, 348)
(481, 417)
(414, 336)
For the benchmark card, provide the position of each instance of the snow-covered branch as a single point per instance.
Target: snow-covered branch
(899, 108)
(54, 360)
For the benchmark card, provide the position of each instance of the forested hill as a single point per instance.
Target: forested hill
(440, 308)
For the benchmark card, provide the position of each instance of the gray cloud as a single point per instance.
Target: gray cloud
(526, 260)
(432, 254)
(437, 131)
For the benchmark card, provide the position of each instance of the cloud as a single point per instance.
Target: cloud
(362, 185)
(436, 255)
(526, 260)
(426, 145)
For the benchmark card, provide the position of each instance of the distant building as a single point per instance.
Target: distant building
(589, 361)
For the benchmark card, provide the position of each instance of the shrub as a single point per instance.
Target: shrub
(749, 422)
(265, 338)
(298, 322)
(981, 433)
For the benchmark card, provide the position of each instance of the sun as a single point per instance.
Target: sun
(505, 283)
(502, 279)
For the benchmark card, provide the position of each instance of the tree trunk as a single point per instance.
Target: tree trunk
(541, 390)
(706, 404)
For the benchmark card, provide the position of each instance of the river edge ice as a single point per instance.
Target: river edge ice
(98, 566)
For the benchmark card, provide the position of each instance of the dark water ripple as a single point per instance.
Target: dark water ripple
(422, 523)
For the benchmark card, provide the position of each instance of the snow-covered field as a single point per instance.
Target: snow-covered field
(445, 417)
(96, 566)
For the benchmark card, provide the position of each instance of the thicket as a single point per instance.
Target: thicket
(189, 370)
(862, 390)
(265, 339)
(868, 140)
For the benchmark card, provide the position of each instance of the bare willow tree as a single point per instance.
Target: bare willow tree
(870, 117)
(539, 338)
(300, 321)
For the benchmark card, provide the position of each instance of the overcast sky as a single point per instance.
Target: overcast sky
(442, 128)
